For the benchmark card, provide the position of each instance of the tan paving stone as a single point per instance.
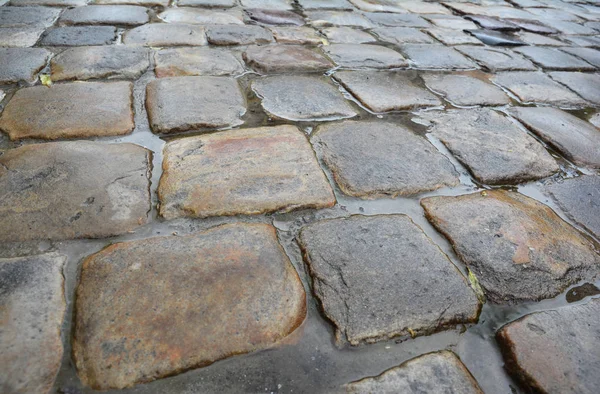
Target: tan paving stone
(174, 62)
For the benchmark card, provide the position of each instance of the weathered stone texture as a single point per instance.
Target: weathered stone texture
(28, 17)
(20, 37)
(130, 15)
(586, 85)
(247, 171)
(237, 35)
(434, 56)
(364, 56)
(275, 17)
(296, 35)
(176, 62)
(465, 90)
(553, 59)
(156, 307)
(166, 34)
(21, 64)
(79, 36)
(199, 16)
(347, 35)
(496, 59)
(285, 58)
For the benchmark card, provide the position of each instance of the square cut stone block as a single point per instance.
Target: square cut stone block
(188, 103)
(174, 62)
(364, 56)
(166, 35)
(285, 58)
(248, 171)
(21, 64)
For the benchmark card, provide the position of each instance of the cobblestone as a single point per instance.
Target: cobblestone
(464, 90)
(21, 64)
(285, 58)
(364, 56)
(130, 15)
(163, 34)
(174, 62)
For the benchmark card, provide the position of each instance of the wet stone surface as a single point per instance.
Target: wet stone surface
(166, 34)
(492, 147)
(497, 59)
(201, 16)
(66, 190)
(402, 35)
(100, 62)
(370, 159)
(296, 35)
(33, 307)
(285, 58)
(518, 248)
(283, 97)
(157, 307)
(21, 64)
(357, 264)
(347, 35)
(364, 56)
(130, 15)
(266, 169)
(553, 59)
(28, 17)
(79, 35)
(175, 62)
(237, 35)
(433, 372)
(378, 90)
(186, 103)
(592, 56)
(69, 110)
(464, 90)
(565, 359)
(16, 37)
(436, 57)
(275, 17)
(341, 18)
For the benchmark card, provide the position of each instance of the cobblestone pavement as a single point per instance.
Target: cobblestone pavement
(299, 196)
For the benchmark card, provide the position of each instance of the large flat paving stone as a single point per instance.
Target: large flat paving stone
(147, 3)
(85, 63)
(238, 35)
(586, 85)
(285, 58)
(301, 98)
(452, 36)
(497, 59)
(128, 15)
(186, 103)
(464, 90)
(152, 308)
(325, 4)
(576, 139)
(275, 17)
(580, 199)
(21, 64)
(296, 35)
(20, 37)
(207, 3)
(347, 35)
(72, 110)
(66, 190)
(555, 351)
(592, 56)
(79, 36)
(28, 17)
(51, 3)
(553, 59)
(33, 306)
(165, 35)
(434, 56)
(537, 87)
(174, 62)
(518, 248)
(379, 277)
(199, 16)
(493, 148)
(369, 159)
(247, 171)
(439, 372)
(402, 20)
(364, 56)
(337, 18)
(382, 91)
(402, 35)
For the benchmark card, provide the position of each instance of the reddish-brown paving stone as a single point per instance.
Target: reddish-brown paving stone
(33, 306)
(247, 171)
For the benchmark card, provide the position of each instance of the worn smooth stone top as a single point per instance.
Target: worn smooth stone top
(166, 34)
(186, 103)
(518, 248)
(66, 190)
(100, 62)
(492, 147)
(285, 58)
(285, 97)
(587, 85)
(434, 56)
(369, 159)
(379, 277)
(237, 35)
(296, 35)
(576, 139)
(439, 372)
(156, 307)
(496, 59)
(79, 36)
(17, 37)
(275, 17)
(364, 56)
(33, 306)
(405, 20)
(553, 59)
(201, 17)
(329, 18)
(21, 64)
(379, 90)
(105, 15)
(248, 171)
(402, 35)
(29, 17)
(566, 355)
(347, 35)
(69, 110)
(175, 62)
(466, 90)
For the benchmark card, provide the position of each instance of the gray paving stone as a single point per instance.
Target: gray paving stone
(553, 59)
(347, 35)
(207, 3)
(19, 37)
(536, 87)
(565, 357)
(595, 119)
(268, 4)
(584, 41)
(337, 18)
(464, 90)
(492, 23)
(28, 17)
(401, 20)
(518, 248)
(285, 58)
(296, 35)
(497, 59)
(342, 5)
(584, 84)
(49, 3)
(453, 37)
(492, 147)
(421, 7)
(187, 103)
(147, 3)
(174, 62)
(364, 56)
(100, 62)
(79, 36)
(130, 15)
(379, 91)
(275, 17)
(450, 22)
(496, 38)
(21, 64)
(532, 26)
(199, 16)
(402, 35)
(439, 372)
(432, 56)
(237, 35)
(166, 34)
(572, 28)
(370, 159)
(378, 6)
(579, 198)
(574, 138)
(539, 39)
(156, 307)
(67, 190)
(268, 169)
(72, 110)
(592, 56)
(33, 308)
(285, 97)
(378, 277)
